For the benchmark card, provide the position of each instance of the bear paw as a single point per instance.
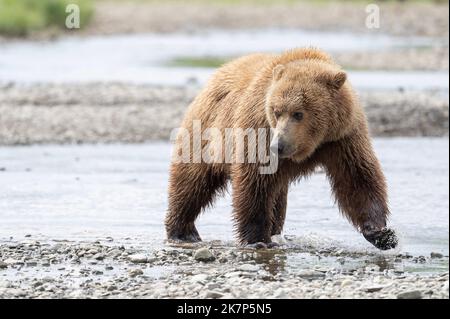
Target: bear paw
(383, 239)
(184, 237)
(261, 245)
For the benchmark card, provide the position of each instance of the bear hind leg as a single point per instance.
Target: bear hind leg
(191, 188)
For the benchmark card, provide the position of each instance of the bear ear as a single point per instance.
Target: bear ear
(278, 72)
(334, 80)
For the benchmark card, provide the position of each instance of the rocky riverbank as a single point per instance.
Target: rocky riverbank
(105, 269)
(405, 18)
(109, 113)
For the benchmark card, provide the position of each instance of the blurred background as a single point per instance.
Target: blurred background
(127, 75)
(150, 57)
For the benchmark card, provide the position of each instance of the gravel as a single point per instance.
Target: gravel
(398, 18)
(410, 18)
(126, 113)
(175, 273)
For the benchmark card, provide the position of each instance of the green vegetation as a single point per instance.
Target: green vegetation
(277, 2)
(20, 17)
(202, 62)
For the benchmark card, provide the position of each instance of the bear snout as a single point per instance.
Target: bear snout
(281, 148)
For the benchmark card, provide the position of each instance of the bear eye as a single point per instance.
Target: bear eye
(277, 114)
(298, 116)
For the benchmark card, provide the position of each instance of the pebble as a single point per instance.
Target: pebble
(310, 274)
(199, 278)
(413, 294)
(31, 263)
(346, 282)
(3, 265)
(111, 288)
(373, 288)
(135, 272)
(436, 255)
(248, 268)
(213, 295)
(204, 254)
(138, 258)
(98, 256)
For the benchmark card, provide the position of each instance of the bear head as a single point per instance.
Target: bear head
(308, 103)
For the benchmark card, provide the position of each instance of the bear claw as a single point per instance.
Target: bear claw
(261, 245)
(185, 238)
(383, 239)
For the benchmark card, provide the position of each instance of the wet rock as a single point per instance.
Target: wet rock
(12, 261)
(248, 268)
(199, 278)
(135, 272)
(213, 295)
(3, 265)
(373, 288)
(346, 282)
(311, 274)
(413, 294)
(436, 255)
(280, 293)
(204, 254)
(98, 257)
(138, 258)
(213, 286)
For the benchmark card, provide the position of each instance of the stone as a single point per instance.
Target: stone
(372, 288)
(199, 278)
(413, 294)
(436, 255)
(248, 268)
(3, 265)
(346, 282)
(138, 258)
(204, 254)
(310, 274)
(213, 295)
(112, 288)
(280, 293)
(135, 272)
(99, 256)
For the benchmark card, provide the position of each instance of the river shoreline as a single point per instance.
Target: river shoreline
(104, 269)
(127, 113)
(396, 18)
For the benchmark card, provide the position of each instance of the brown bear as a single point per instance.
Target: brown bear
(315, 120)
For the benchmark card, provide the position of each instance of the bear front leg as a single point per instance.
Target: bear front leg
(360, 188)
(279, 211)
(252, 204)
